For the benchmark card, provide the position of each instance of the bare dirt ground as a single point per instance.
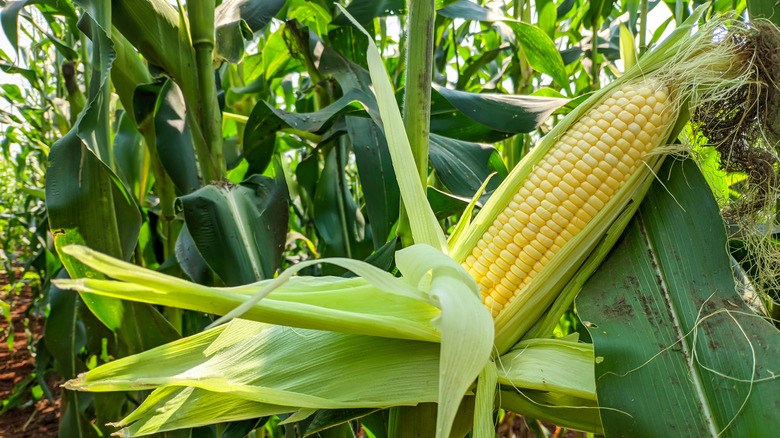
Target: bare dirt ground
(32, 418)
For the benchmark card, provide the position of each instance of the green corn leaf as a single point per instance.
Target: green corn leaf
(425, 228)
(238, 229)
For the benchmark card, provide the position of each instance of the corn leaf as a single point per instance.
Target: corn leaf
(239, 229)
(425, 227)
(664, 316)
(507, 113)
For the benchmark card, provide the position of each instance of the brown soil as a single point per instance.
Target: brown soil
(32, 418)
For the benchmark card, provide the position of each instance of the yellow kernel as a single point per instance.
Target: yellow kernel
(539, 246)
(576, 200)
(548, 232)
(566, 187)
(622, 144)
(595, 131)
(528, 234)
(645, 138)
(610, 159)
(532, 202)
(480, 268)
(543, 213)
(557, 154)
(590, 161)
(613, 133)
(617, 175)
(553, 178)
(602, 124)
(583, 167)
(570, 180)
(545, 241)
(522, 215)
(626, 117)
(601, 196)
(605, 166)
(608, 115)
(559, 220)
(507, 257)
(494, 307)
(578, 175)
(632, 109)
(624, 169)
(582, 219)
(621, 102)
(515, 224)
(559, 193)
(647, 111)
(520, 269)
(612, 183)
(597, 151)
(628, 135)
(567, 166)
(500, 267)
(546, 186)
(581, 193)
(513, 249)
(536, 220)
(640, 119)
(569, 207)
(619, 125)
(493, 277)
(512, 278)
(596, 203)
(533, 254)
(503, 292)
(525, 258)
(589, 209)
(558, 171)
(490, 254)
(600, 173)
(588, 187)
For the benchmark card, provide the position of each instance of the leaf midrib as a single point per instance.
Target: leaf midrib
(680, 332)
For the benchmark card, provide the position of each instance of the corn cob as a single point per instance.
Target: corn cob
(570, 185)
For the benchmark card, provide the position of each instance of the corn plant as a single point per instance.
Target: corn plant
(352, 283)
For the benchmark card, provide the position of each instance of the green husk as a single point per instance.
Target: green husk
(690, 66)
(376, 303)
